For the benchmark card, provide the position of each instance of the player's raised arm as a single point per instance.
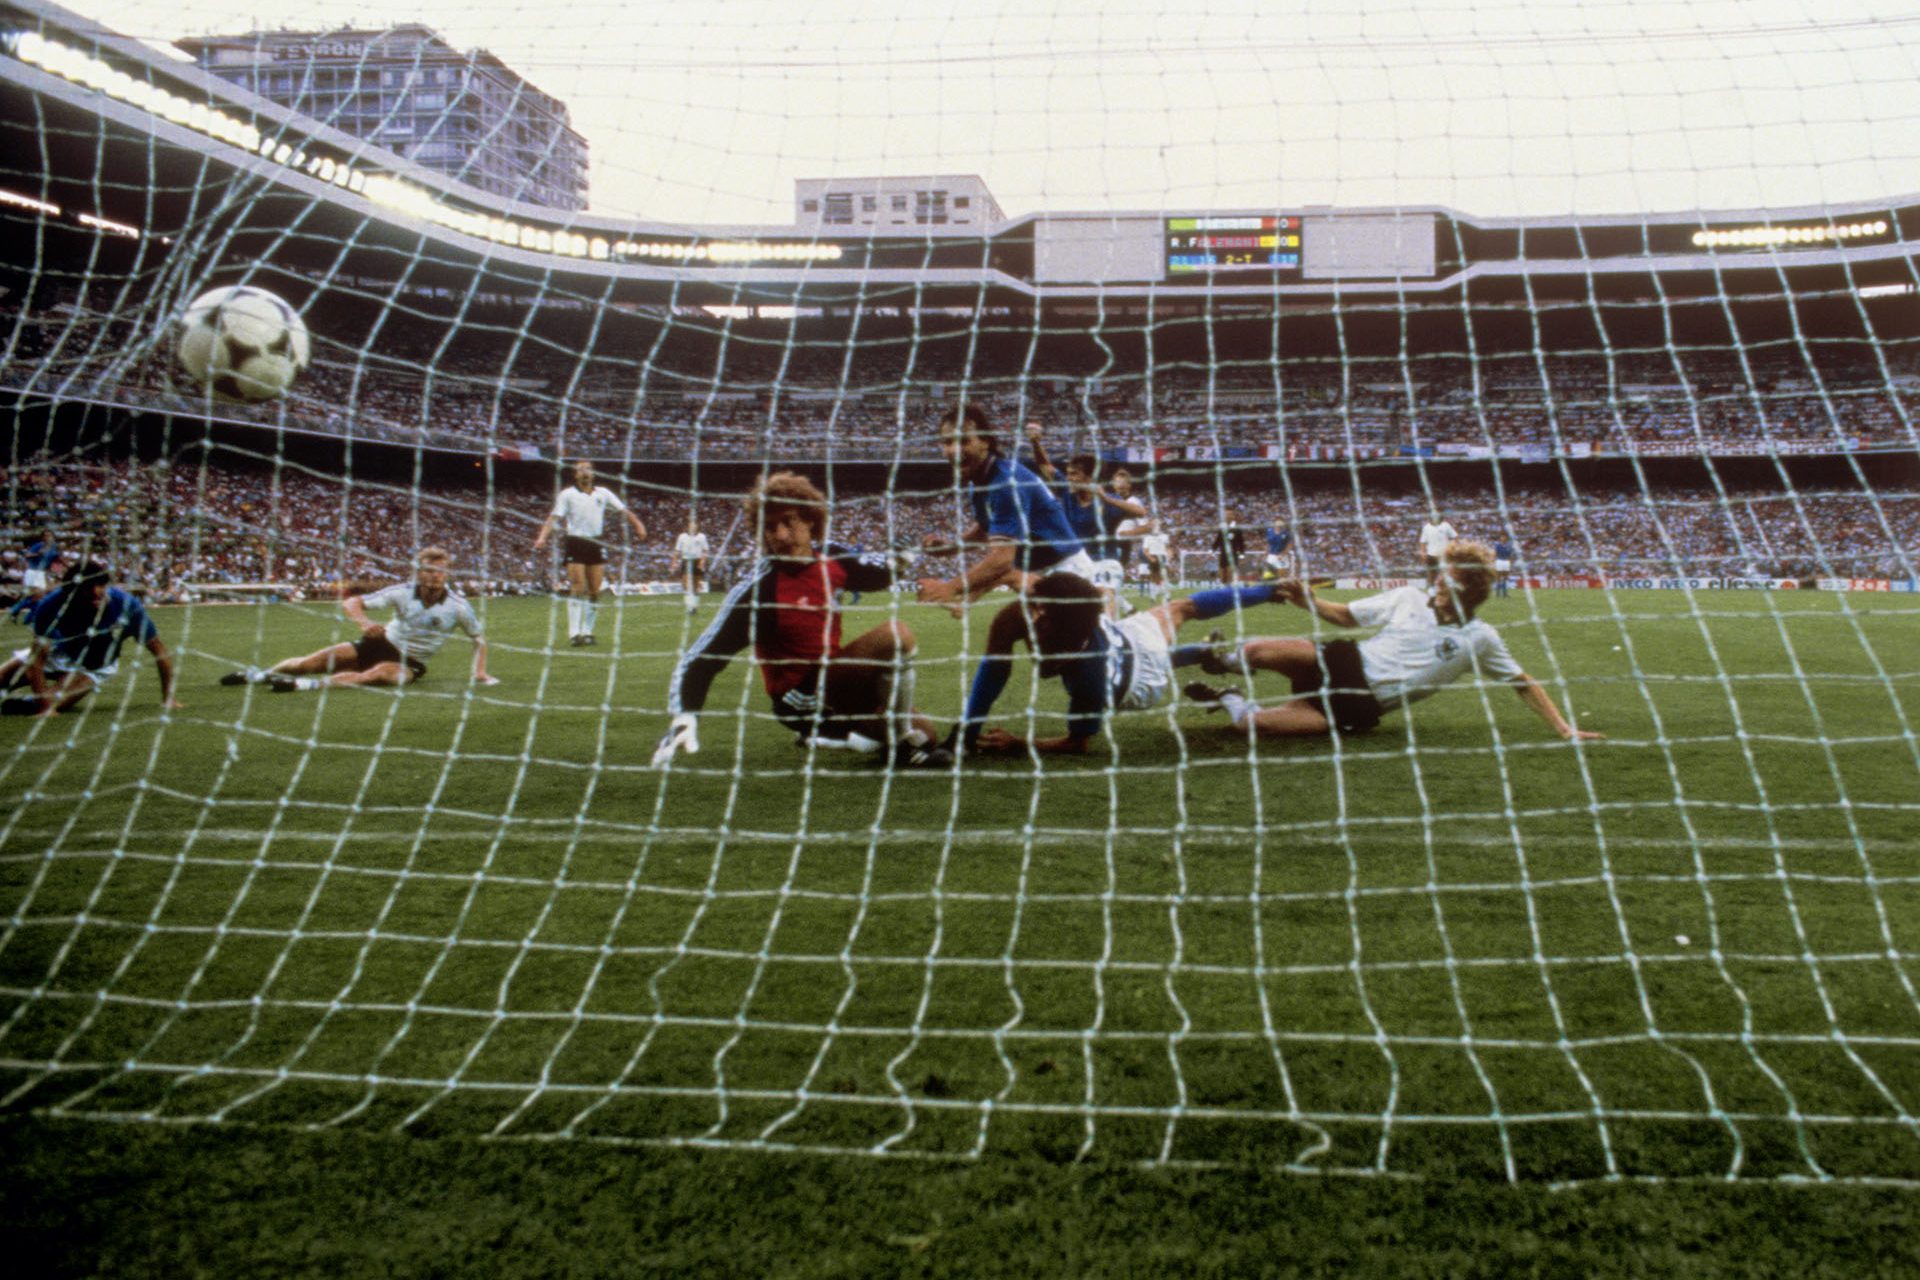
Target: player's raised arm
(1036, 440)
(639, 529)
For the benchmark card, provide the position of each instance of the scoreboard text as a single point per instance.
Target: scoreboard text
(1209, 246)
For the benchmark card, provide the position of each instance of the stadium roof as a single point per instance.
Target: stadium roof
(130, 135)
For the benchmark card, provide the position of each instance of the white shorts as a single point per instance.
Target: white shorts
(1152, 682)
(1501, 566)
(34, 579)
(1079, 564)
(64, 667)
(1282, 565)
(1108, 575)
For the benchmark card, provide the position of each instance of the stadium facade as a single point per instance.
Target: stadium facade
(463, 114)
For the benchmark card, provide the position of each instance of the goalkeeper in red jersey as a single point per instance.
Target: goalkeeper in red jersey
(857, 693)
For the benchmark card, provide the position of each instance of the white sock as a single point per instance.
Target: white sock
(589, 611)
(573, 616)
(693, 602)
(900, 703)
(309, 683)
(1237, 707)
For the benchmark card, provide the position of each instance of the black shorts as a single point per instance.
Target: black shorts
(1338, 686)
(847, 703)
(371, 651)
(585, 551)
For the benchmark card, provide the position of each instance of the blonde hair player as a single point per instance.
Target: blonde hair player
(426, 611)
(1428, 639)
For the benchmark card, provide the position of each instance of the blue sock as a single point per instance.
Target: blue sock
(989, 681)
(1215, 601)
(1187, 655)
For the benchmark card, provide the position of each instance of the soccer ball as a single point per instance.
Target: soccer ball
(243, 343)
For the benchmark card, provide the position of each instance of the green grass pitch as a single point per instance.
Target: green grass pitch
(1454, 949)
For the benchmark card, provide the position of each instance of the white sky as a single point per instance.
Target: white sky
(705, 111)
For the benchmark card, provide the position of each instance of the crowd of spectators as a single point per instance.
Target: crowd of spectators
(172, 529)
(780, 396)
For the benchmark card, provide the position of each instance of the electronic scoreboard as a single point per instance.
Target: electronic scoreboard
(1233, 243)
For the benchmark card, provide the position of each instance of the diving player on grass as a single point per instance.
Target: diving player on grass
(78, 632)
(1105, 665)
(1428, 639)
(425, 613)
(858, 694)
(1015, 515)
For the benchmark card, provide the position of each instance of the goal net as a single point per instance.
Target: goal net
(472, 903)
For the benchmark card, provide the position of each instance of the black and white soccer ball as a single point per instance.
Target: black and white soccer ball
(243, 343)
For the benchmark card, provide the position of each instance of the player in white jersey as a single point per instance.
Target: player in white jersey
(1435, 536)
(690, 561)
(425, 613)
(1156, 548)
(581, 514)
(1428, 639)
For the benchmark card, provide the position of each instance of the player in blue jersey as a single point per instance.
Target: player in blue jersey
(1502, 568)
(1093, 513)
(78, 631)
(1015, 516)
(1280, 549)
(1105, 665)
(41, 555)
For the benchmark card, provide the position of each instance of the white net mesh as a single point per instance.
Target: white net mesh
(1452, 945)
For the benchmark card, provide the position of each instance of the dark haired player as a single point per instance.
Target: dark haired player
(1015, 515)
(830, 693)
(78, 632)
(581, 511)
(1105, 665)
(1229, 545)
(41, 554)
(1093, 513)
(1428, 639)
(1280, 557)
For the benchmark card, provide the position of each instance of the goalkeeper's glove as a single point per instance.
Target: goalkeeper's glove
(682, 735)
